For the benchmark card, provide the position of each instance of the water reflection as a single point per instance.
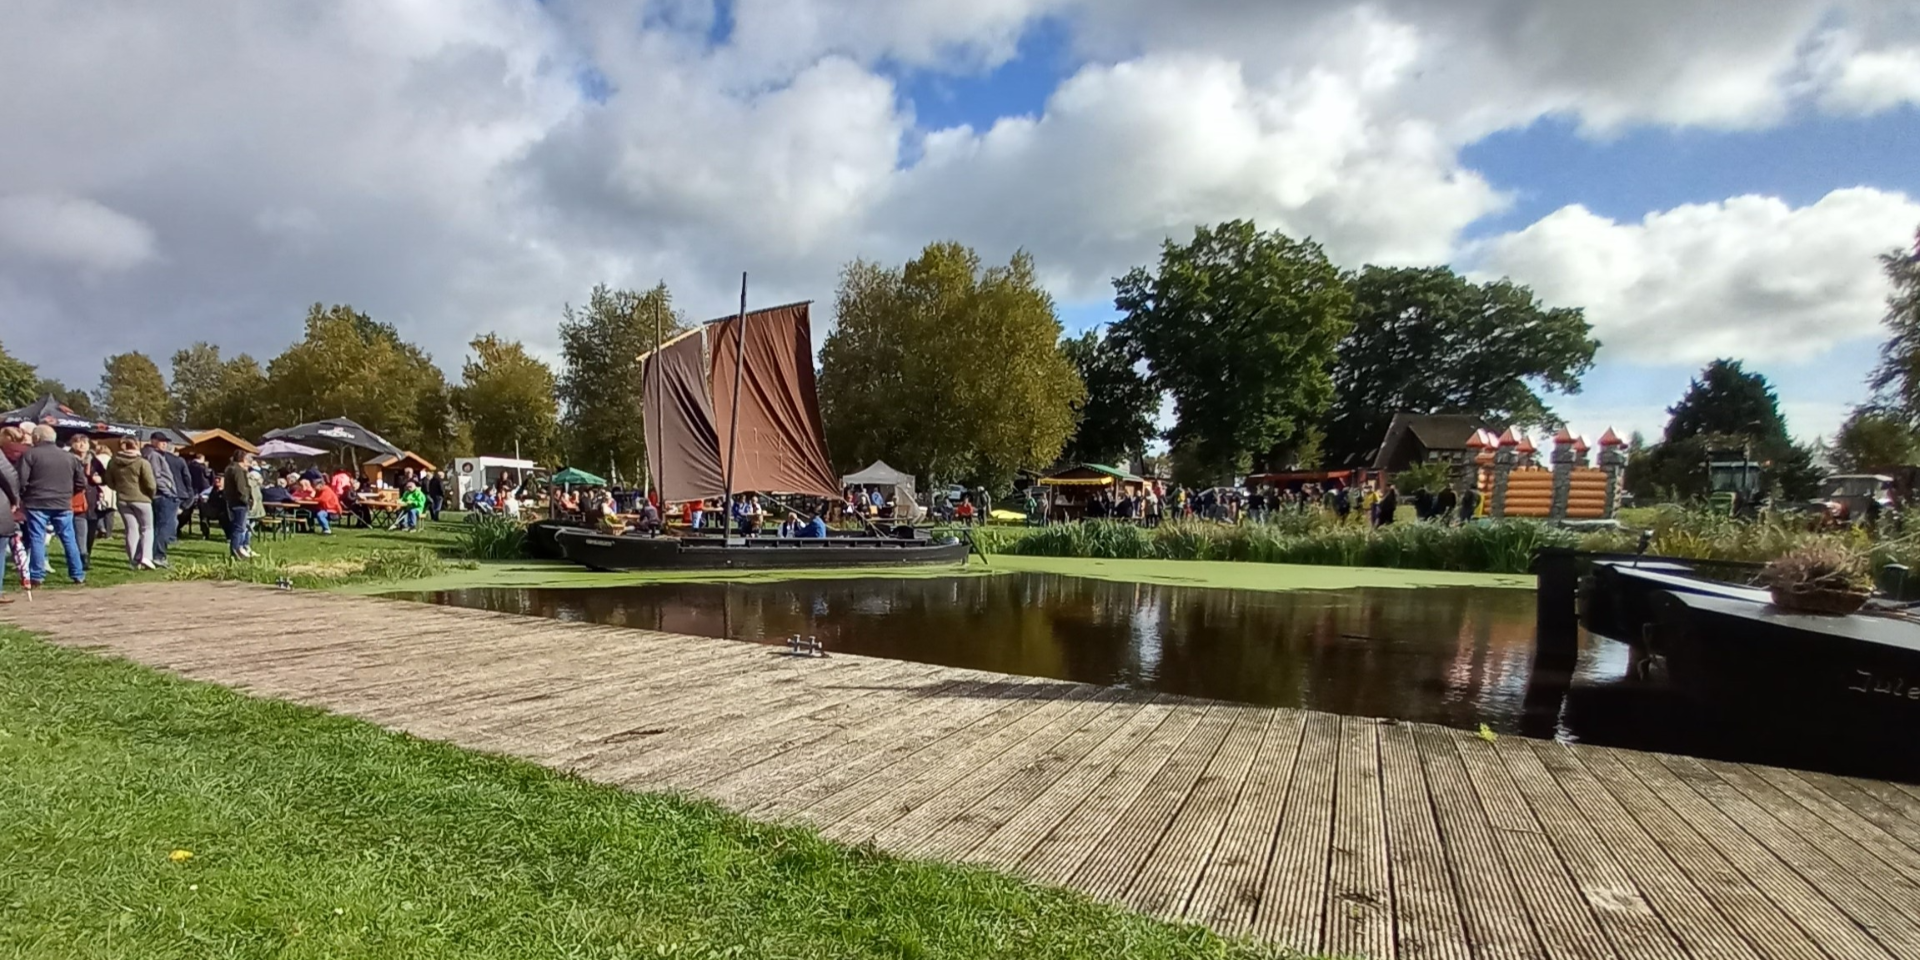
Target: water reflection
(1453, 655)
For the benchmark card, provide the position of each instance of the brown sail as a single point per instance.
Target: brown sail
(683, 447)
(782, 445)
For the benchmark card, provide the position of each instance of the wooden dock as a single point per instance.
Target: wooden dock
(1324, 833)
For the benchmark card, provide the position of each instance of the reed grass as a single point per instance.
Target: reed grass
(490, 537)
(1489, 546)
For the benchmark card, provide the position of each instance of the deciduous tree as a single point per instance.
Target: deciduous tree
(1239, 327)
(132, 390)
(1117, 420)
(349, 365)
(600, 388)
(507, 397)
(1896, 381)
(17, 381)
(947, 369)
(1872, 438)
(73, 398)
(1725, 407)
(1425, 340)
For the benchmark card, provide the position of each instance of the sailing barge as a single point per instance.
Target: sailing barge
(732, 406)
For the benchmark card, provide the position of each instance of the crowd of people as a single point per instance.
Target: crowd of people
(77, 491)
(1374, 503)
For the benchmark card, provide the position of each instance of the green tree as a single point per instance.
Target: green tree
(17, 381)
(507, 397)
(132, 390)
(1724, 408)
(1425, 340)
(199, 376)
(1240, 328)
(73, 398)
(947, 369)
(1872, 438)
(1896, 381)
(1117, 420)
(241, 405)
(600, 389)
(349, 365)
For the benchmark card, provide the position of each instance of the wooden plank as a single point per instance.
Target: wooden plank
(1832, 930)
(1830, 824)
(1497, 923)
(857, 815)
(966, 829)
(777, 773)
(1869, 801)
(913, 829)
(1111, 866)
(1690, 913)
(1824, 879)
(1359, 893)
(797, 787)
(1024, 829)
(1056, 856)
(849, 788)
(1617, 904)
(1165, 880)
(1748, 907)
(1294, 907)
(1428, 924)
(748, 718)
(1230, 887)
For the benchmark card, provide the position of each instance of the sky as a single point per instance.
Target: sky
(1703, 185)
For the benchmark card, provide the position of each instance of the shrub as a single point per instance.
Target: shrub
(490, 537)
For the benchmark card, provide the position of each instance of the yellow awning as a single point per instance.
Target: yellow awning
(1064, 482)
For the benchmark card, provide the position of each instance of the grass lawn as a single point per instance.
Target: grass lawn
(322, 557)
(149, 817)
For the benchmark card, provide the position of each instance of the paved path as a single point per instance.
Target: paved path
(1317, 831)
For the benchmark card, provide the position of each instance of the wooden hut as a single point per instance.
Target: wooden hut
(391, 466)
(218, 446)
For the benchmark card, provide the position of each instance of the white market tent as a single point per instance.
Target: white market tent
(895, 486)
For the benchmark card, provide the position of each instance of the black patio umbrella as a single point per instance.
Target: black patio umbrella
(50, 411)
(339, 432)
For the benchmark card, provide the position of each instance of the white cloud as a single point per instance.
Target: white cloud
(1750, 277)
(73, 231)
(438, 163)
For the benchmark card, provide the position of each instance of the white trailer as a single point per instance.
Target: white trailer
(474, 474)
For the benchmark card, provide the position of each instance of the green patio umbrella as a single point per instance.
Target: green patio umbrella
(573, 477)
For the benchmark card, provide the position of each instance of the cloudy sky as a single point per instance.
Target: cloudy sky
(1706, 179)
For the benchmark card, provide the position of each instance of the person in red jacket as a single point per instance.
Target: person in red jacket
(326, 507)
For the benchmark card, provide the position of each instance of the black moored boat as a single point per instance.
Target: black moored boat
(599, 551)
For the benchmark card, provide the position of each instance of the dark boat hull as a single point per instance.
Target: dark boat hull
(542, 539)
(597, 551)
(1617, 599)
(1855, 673)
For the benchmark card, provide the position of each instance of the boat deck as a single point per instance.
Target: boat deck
(1320, 832)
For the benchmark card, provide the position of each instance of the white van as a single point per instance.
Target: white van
(474, 474)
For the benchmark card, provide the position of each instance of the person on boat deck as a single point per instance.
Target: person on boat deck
(649, 518)
(789, 526)
(815, 528)
(964, 512)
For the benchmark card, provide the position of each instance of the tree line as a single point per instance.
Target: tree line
(1269, 355)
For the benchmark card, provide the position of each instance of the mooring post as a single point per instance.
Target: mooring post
(1556, 597)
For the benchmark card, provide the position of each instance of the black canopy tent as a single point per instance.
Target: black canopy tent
(338, 432)
(50, 411)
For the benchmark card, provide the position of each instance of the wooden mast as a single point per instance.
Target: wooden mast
(733, 428)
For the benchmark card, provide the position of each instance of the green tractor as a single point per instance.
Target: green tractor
(1733, 481)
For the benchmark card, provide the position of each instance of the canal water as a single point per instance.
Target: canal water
(1459, 656)
(1456, 656)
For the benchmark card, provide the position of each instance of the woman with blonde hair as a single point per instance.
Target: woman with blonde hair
(130, 478)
